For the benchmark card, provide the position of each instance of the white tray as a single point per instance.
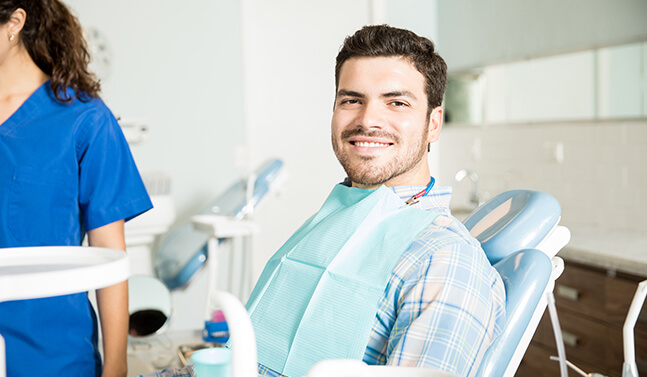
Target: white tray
(35, 272)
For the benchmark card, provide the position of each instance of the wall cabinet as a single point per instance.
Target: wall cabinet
(592, 305)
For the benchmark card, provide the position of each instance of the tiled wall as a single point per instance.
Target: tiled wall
(597, 170)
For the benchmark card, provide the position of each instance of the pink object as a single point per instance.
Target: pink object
(218, 316)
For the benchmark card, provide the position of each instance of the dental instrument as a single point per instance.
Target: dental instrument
(414, 199)
(629, 368)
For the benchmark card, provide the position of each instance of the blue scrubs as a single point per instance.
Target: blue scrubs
(65, 168)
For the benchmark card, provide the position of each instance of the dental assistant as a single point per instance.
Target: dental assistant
(65, 171)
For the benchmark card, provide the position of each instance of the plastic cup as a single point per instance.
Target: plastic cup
(212, 362)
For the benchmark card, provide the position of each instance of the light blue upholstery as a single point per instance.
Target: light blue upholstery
(525, 276)
(517, 219)
(509, 227)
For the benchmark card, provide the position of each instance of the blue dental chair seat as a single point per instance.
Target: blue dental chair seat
(525, 275)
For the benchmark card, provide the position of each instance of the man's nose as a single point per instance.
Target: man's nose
(371, 115)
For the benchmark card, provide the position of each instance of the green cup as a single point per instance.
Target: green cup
(212, 362)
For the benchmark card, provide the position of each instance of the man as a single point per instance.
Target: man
(382, 272)
(444, 303)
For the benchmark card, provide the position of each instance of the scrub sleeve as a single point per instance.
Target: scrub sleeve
(65, 168)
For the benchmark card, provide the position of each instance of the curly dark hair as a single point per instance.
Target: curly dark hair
(54, 40)
(386, 41)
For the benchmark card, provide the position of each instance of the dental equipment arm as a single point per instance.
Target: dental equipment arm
(557, 331)
(629, 368)
(219, 227)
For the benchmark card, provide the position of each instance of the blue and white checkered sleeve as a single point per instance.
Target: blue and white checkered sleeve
(443, 307)
(187, 371)
(267, 372)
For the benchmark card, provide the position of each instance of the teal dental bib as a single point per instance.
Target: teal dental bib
(317, 296)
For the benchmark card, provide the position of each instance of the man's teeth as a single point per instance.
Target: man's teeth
(369, 145)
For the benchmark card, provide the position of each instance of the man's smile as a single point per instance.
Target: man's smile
(370, 143)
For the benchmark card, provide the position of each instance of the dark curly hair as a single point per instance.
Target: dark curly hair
(54, 40)
(386, 41)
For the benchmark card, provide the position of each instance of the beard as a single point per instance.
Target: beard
(370, 170)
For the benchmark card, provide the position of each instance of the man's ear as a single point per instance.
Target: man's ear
(435, 124)
(16, 21)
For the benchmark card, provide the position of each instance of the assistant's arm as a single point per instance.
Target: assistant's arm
(112, 304)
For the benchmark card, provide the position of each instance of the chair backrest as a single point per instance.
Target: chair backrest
(512, 221)
(519, 233)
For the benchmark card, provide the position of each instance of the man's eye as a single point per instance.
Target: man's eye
(398, 103)
(349, 101)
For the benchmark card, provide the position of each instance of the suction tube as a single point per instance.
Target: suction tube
(557, 330)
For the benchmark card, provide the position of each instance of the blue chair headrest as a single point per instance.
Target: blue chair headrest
(513, 220)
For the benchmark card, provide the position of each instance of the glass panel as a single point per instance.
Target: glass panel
(495, 97)
(606, 83)
(620, 82)
(555, 88)
(644, 73)
(464, 99)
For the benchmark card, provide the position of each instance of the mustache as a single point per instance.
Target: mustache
(368, 133)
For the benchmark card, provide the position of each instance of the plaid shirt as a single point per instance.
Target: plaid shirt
(444, 303)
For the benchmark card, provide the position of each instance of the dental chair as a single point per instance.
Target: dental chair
(520, 235)
(519, 232)
(184, 251)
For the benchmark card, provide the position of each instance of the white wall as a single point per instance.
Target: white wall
(176, 66)
(600, 183)
(289, 59)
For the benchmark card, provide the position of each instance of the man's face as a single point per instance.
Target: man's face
(380, 126)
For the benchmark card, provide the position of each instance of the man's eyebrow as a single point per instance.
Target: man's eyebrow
(399, 93)
(349, 93)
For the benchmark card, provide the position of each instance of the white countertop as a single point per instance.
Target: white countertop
(618, 250)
